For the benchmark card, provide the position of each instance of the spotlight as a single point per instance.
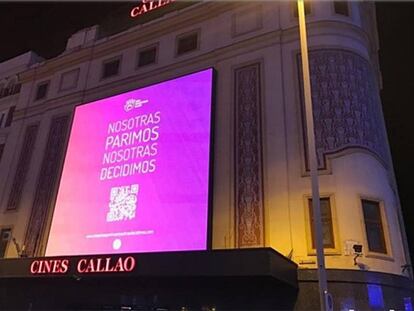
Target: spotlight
(357, 252)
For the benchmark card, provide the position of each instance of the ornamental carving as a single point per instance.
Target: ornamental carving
(346, 105)
(46, 184)
(248, 158)
(22, 167)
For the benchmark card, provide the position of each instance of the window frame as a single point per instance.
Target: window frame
(76, 71)
(47, 83)
(107, 61)
(146, 48)
(339, 14)
(187, 34)
(336, 249)
(385, 230)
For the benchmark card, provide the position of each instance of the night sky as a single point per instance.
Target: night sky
(45, 27)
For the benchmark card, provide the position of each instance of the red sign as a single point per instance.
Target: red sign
(84, 265)
(148, 5)
(49, 266)
(92, 265)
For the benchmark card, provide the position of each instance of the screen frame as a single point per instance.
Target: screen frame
(210, 181)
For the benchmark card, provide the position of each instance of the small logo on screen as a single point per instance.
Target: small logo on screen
(134, 103)
(122, 203)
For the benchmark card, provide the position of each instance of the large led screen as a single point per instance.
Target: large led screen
(136, 172)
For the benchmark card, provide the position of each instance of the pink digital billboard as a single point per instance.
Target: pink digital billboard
(136, 172)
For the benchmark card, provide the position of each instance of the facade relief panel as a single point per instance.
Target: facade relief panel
(23, 165)
(248, 158)
(46, 183)
(346, 105)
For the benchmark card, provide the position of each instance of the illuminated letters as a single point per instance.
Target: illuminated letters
(100, 265)
(148, 5)
(84, 265)
(52, 266)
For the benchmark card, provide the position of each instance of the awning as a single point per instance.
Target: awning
(237, 279)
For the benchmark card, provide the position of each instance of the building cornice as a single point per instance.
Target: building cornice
(131, 37)
(199, 59)
(147, 78)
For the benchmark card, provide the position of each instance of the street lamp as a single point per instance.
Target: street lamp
(313, 164)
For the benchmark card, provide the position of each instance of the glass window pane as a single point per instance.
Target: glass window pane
(111, 68)
(371, 211)
(375, 238)
(373, 226)
(42, 91)
(327, 235)
(341, 7)
(147, 57)
(325, 209)
(187, 43)
(327, 227)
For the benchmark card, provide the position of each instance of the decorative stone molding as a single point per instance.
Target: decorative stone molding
(346, 105)
(46, 184)
(22, 167)
(248, 158)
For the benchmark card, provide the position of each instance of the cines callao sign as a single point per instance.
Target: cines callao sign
(83, 265)
(147, 6)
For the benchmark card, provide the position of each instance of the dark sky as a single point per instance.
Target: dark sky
(45, 27)
(396, 33)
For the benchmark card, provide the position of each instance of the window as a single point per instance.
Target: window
(6, 117)
(3, 117)
(42, 90)
(5, 92)
(327, 226)
(147, 56)
(295, 8)
(17, 88)
(11, 89)
(111, 68)
(341, 7)
(373, 226)
(10, 116)
(1, 150)
(187, 43)
(5, 237)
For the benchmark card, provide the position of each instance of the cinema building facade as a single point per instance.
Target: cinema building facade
(211, 113)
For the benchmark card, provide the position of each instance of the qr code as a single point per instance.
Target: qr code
(122, 203)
